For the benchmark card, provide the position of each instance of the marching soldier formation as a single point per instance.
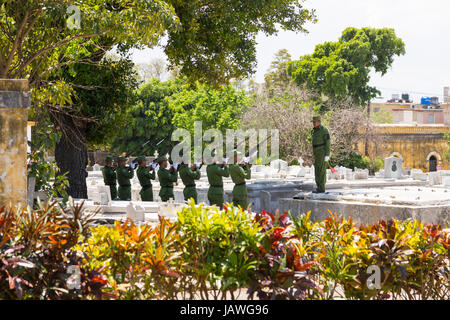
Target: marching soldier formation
(167, 177)
(109, 177)
(215, 173)
(168, 174)
(145, 176)
(188, 175)
(238, 176)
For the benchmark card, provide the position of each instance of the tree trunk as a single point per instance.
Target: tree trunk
(71, 154)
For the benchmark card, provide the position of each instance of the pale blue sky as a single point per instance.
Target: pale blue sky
(424, 26)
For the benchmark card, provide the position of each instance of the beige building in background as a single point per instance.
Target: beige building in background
(420, 146)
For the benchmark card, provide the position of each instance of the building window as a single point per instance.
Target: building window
(376, 110)
(431, 118)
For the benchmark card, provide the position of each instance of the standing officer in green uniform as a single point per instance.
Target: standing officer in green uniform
(109, 177)
(215, 173)
(124, 175)
(188, 176)
(144, 176)
(321, 152)
(166, 178)
(238, 175)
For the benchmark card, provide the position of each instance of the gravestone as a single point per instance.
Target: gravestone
(446, 181)
(279, 165)
(265, 199)
(105, 195)
(135, 212)
(435, 178)
(393, 168)
(417, 174)
(361, 174)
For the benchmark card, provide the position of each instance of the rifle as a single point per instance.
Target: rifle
(140, 147)
(152, 146)
(252, 153)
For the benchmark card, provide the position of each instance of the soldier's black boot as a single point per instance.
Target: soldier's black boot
(318, 191)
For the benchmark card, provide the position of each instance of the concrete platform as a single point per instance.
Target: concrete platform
(367, 206)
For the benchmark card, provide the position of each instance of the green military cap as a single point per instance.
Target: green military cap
(161, 159)
(141, 158)
(120, 159)
(109, 159)
(316, 118)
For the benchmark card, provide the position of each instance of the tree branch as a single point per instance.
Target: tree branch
(15, 45)
(54, 46)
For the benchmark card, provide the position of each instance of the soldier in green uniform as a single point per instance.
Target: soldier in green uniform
(215, 173)
(109, 177)
(124, 175)
(238, 175)
(188, 175)
(144, 176)
(166, 177)
(321, 152)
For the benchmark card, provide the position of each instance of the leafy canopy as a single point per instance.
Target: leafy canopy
(341, 69)
(211, 40)
(164, 106)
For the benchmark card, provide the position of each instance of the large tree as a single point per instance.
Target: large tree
(150, 119)
(210, 41)
(103, 92)
(164, 106)
(341, 69)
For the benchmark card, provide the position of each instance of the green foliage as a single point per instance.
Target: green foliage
(447, 153)
(286, 263)
(382, 117)
(354, 160)
(342, 69)
(216, 108)
(350, 160)
(150, 118)
(48, 176)
(212, 42)
(210, 253)
(217, 39)
(37, 248)
(277, 75)
(139, 262)
(164, 106)
(221, 248)
(102, 94)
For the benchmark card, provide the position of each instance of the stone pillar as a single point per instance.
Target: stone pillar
(14, 104)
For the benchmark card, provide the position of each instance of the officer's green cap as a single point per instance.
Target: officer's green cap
(161, 159)
(120, 159)
(316, 118)
(141, 158)
(109, 159)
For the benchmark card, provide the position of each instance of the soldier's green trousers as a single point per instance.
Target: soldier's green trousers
(320, 170)
(125, 193)
(166, 193)
(240, 196)
(190, 192)
(113, 191)
(215, 196)
(146, 194)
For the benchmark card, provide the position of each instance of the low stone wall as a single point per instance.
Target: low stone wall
(365, 213)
